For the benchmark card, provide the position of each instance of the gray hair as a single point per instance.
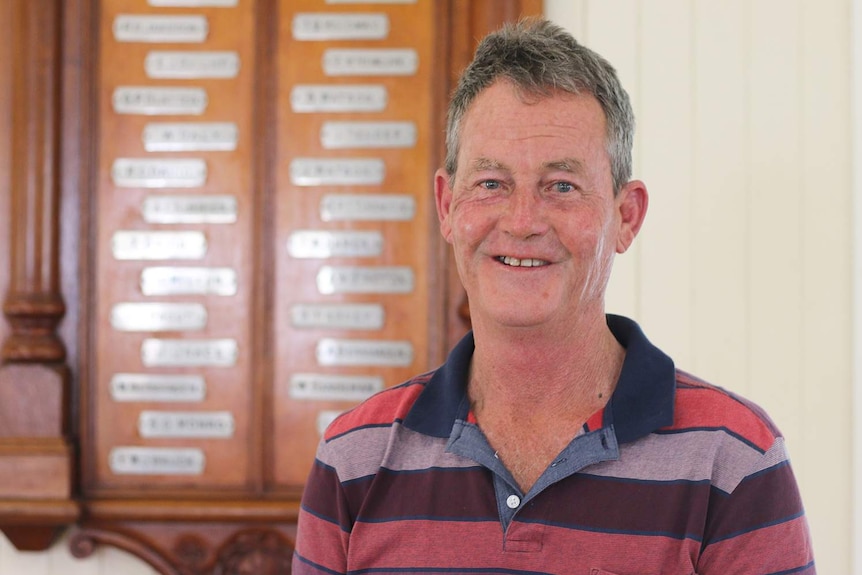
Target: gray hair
(539, 57)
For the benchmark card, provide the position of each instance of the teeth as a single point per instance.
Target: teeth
(524, 263)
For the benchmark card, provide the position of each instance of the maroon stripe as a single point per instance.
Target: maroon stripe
(436, 493)
(764, 499)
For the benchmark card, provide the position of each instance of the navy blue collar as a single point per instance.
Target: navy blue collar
(642, 402)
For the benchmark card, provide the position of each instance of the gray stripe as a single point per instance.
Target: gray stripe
(713, 456)
(362, 452)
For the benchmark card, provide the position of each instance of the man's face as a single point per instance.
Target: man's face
(531, 212)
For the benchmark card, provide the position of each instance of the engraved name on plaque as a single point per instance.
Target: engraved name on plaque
(168, 388)
(359, 279)
(325, 98)
(190, 136)
(336, 172)
(161, 28)
(156, 461)
(326, 244)
(189, 352)
(370, 62)
(186, 424)
(188, 281)
(337, 316)
(202, 209)
(159, 173)
(324, 387)
(158, 316)
(135, 245)
(192, 3)
(357, 352)
(191, 65)
(367, 207)
(313, 26)
(156, 101)
(345, 135)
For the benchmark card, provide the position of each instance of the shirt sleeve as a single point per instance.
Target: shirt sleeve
(324, 524)
(760, 526)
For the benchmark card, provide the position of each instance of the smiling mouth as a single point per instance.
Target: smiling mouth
(522, 263)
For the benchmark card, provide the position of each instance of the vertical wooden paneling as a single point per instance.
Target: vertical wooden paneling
(719, 194)
(826, 169)
(612, 31)
(5, 146)
(775, 214)
(666, 160)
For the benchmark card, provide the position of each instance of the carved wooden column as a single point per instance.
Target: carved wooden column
(35, 456)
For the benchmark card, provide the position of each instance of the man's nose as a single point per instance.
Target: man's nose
(523, 214)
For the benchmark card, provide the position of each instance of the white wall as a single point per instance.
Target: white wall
(743, 271)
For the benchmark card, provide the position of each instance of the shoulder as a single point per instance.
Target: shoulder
(383, 409)
(700, 405)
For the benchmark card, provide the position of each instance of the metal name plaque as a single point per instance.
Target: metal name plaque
(370, 62)
(324, 244)
(336, 172)
(191, 65)
(345, 135)
(155, 101)
(337, 316)
(358, 279)
(367, 207)
(190, 136)
(157, 387)
(158, 316)
(340, 26)
(321, 387)
(192, 3)
(325, 417)
(144, 28)
(156, 461)
(357, 352)
(189, 352)
(159, 173)
(203, 209)
(323, 98)
(186, 424)
(134, 245)
(188, 281)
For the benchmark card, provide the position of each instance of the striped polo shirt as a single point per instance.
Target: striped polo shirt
(672, 476)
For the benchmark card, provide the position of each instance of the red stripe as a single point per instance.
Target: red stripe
(706, 406)
(381, 409)
(774, 549)
(422, 544)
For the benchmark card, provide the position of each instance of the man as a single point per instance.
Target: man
(555, 438)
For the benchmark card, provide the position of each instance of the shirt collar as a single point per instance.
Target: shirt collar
(642, 401)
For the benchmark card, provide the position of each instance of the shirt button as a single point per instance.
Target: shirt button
(513, 501)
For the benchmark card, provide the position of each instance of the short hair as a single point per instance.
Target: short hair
(539, 58)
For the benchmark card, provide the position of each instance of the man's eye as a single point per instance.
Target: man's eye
(564, 187)
(490, 184)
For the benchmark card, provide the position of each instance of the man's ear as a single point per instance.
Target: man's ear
(443, 197)
(632, 202)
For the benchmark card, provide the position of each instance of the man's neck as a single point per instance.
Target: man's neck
(522, 370)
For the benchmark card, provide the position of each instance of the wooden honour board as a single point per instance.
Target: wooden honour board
(262, 222)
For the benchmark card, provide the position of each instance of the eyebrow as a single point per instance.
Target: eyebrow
(572, 165)
(480, 164)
